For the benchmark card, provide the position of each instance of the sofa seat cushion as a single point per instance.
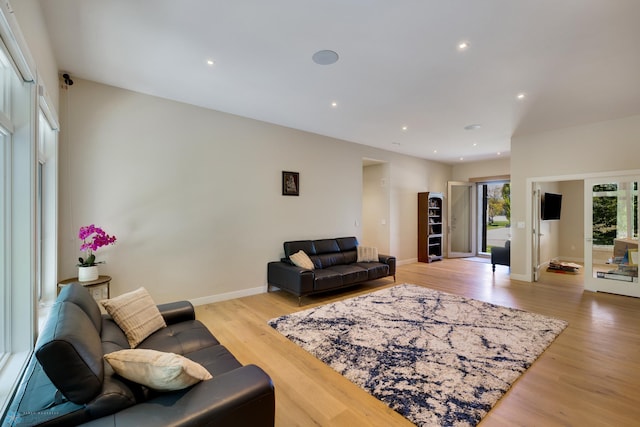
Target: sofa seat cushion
(217, 359)
(375, 270)
(181, 338)
(326, 279)
(350, 273)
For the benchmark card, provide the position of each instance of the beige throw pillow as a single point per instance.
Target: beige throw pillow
(367, 254)
(136, 314)
(302, 260)
(156, 369)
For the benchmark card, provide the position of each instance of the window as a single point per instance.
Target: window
(615, 212)
(17, 209)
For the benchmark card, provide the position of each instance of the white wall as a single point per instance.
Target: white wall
(194, 195)
(571, 244)
(31, 21)
(481, 169)
(410, 176)
(601, 147)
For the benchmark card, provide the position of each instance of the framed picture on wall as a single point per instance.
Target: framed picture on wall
(290, 183)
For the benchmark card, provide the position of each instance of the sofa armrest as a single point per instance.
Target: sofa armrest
(290, 277)
(390, 261)
(241, 397)
(176, 312)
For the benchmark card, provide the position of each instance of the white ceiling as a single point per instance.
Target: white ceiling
(578, 61)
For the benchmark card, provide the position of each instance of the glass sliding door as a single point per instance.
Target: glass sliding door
(611, 230)
(494, 215)
(461, 219)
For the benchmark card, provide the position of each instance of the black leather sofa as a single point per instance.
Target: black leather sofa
(500, 255)
(68, 383)
(335, 266)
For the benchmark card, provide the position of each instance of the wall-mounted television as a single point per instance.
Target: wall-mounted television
(551, 206)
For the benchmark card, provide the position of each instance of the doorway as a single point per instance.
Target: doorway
(569, 238)
(479, 216)
(375, 205)
(494, 215)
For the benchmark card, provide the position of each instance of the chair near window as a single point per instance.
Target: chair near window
(500, 255)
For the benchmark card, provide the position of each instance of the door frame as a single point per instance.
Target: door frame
(530, 230)
(591, 283)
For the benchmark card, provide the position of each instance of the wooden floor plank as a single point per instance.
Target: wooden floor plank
(589, 376)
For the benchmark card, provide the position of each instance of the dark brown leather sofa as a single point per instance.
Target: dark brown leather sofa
(335, 266)
(68, 383)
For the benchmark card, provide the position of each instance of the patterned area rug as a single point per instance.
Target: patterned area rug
(438, 359)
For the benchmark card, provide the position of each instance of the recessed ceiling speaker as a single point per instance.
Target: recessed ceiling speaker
(325, 57)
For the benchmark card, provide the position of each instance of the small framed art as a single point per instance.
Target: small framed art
(290, 183)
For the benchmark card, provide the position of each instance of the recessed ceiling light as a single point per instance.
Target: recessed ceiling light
(521, 96)
(404, 128)
(473, 126)
(210, 62)
(435, 151)
(461, 158)
(475, 144)
(325, 57)
(463, 45)
(334, 104)
(499, 153)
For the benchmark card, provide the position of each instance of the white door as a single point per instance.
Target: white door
(461, 219)
(611, 235)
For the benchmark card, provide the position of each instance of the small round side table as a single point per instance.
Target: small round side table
(95, 287)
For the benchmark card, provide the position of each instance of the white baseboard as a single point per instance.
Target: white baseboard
(521, 277)
(229, 295)
(406, 261)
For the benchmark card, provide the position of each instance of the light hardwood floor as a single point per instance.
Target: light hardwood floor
(589, 376)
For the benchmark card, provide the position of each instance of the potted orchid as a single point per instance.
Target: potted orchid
(92, 238)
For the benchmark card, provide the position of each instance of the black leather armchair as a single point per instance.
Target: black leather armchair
(500, 255)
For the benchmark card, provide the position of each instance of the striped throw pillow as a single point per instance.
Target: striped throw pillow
(136, 314)
(367, 254)
(302, 260)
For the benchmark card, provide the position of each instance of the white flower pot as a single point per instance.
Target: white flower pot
(87, 274)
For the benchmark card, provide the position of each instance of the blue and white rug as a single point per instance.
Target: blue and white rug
(436, 358)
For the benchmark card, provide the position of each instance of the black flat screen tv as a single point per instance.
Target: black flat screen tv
(551, 206)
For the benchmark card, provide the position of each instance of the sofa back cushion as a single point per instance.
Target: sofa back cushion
(328, 259)
(69, 350)
(325, 252)
(347, 243)
(326, 246)
(80, 296)
(306, 246)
